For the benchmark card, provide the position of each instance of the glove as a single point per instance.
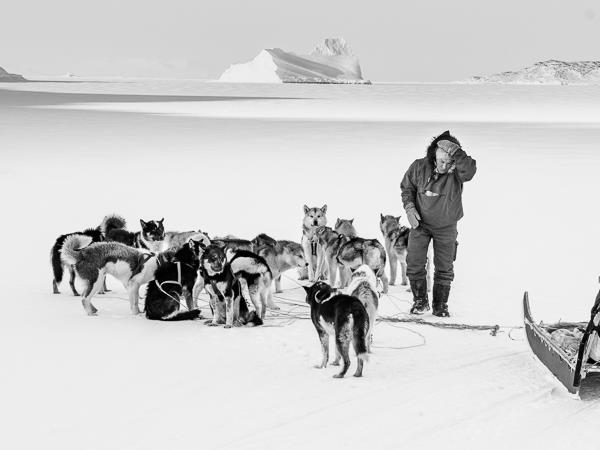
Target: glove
(448, 146)
(413, 217)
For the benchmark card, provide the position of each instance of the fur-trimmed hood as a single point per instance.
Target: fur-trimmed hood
(433, 146)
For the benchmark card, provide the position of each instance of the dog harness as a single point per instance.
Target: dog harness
(178, 283)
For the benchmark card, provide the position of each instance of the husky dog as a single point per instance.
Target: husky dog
(343, 317)
(97, 234)
(224, 286)
(313, 218)
(282, 256)
(176, 240)
(230, 244)
(93, 261)
(358, 251)
(363, 286)
(173, 281)
(330, 242)
(345, 227)
(150, 238)
(262, 240)
(396, 246)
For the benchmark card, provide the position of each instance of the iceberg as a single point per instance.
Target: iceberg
(330, 62)
(548, 72)
(7, 77)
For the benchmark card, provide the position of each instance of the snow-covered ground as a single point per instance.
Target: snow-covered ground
(243, 159)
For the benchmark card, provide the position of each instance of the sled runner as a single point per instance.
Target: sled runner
(570, 369)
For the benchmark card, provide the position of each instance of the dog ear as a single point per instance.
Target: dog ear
(352, 220)
(142, 223)
(337, 222)
(398, 219)
(161, 220)
(306, 209)
(381, 217)
(306, 288)
(324, 209)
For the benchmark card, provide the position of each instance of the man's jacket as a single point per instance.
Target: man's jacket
(437, 197)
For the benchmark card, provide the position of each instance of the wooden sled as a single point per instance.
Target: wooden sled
(570, 371)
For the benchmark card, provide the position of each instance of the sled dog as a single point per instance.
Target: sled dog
(234, 286)
(173, 283)
(363, 286)
(330, 242)
(396, 246)
(345, 227)
(174, 240)
(150, 238)
(313, 218)
(343, 317)
(358, 251)
(93, 261)
(97, 234)
(281, 257)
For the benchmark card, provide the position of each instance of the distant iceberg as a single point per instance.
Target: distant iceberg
(548, 72)
(8, 77)
(330, 62)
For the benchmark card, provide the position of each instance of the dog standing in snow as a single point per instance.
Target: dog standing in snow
(313, 218)
(92, 262)
(363, 286)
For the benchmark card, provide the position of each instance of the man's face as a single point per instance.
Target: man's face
(443, 161)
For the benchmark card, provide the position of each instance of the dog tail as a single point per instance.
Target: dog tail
(359, 335)
(55, 260)
(182, 315)
(112, 222)
(70, 249)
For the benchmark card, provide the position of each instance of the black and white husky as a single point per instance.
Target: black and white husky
(96, 234)
(363, 286)
(239, 289)
(173, 283)
(151, 236)
(343, 317)
(93, 261)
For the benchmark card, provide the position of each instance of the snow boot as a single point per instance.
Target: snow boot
(420, 300)
(440, 300)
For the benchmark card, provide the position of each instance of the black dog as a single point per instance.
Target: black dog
(174, 280)
(345, 318)
(223, 287)
(150, 238)
(97, 234)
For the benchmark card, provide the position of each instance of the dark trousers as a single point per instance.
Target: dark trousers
(444, 253)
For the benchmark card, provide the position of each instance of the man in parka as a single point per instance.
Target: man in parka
(432, 197)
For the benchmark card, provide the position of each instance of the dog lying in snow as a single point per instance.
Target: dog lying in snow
(173, 282)
(343, 317)
(93, 261)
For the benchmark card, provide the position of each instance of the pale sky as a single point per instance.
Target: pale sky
(426, 40)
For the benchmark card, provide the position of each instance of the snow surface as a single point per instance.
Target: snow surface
(330, 62)
(243, 159)
(549, 72)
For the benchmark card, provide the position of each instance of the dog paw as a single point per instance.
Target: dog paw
(335, 363)
(319, 366)
(338, 375)
(212, 324)
(404, 283)
(358, 375)
(227, 326)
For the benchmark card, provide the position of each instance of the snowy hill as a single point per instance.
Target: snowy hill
(549, 72)
(330, 62)
(5, 76)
